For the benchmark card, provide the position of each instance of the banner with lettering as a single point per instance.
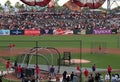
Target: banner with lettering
(32, 32)
(102, 31)
(16, 32)
(62, 32)
(4, 32)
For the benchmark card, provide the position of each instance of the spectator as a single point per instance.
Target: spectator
(15, 67)
(75, 78)
(94, 68)
(68, 78)
(37, 73)
(0, 79)
(23, 77)
(78, 68)
(97, 77)
(47, 19)
(109, 69)
(101, 78)
(19, 71)
(91, 78)
(64, 76)
(86, 74)
(52, 71)
(8, 65)
(116, 77)
(57, 78)
(107, 77)
(78, 71)
(113, 79)
(71, 76)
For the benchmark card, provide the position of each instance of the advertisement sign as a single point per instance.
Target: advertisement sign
(32, 32)
(68, 32)
(63, 32)
(4, 32)
(101, 31)
(59, 31)
(16, 32)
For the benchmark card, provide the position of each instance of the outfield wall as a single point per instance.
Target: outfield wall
(56, 31)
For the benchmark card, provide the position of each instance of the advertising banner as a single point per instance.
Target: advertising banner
(32, 32)
(83, 32)
(68, 32)
(62, 32)
(16, 32)
(4, 32)
(101, 31)
(59, 31)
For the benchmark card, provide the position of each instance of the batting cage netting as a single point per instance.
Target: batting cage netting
(98, 47)
(44, 53)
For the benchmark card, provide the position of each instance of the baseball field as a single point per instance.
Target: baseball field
(102, 50)
(110, 43)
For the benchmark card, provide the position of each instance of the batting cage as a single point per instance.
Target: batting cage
(43, 53)
(98, 47)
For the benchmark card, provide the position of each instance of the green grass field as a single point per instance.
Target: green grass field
(111, 40)
(101, 60)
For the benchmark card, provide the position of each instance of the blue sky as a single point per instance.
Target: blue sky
(113, 4)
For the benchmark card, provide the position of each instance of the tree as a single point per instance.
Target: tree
(1, 8)
(11, 8)
(8, 5)
(17, 5)
(22, 6)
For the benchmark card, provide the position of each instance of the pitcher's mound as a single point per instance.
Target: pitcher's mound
(77, 61)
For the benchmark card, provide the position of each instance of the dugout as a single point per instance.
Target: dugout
(98, 47)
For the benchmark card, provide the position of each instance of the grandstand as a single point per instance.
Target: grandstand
(52, 19)
(67, 20)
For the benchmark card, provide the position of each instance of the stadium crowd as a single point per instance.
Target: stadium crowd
(53, 19)
(88, 75)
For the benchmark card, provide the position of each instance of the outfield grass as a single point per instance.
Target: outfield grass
(111, 40)
(100, 60)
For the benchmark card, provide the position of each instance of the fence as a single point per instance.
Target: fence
(98, 47)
